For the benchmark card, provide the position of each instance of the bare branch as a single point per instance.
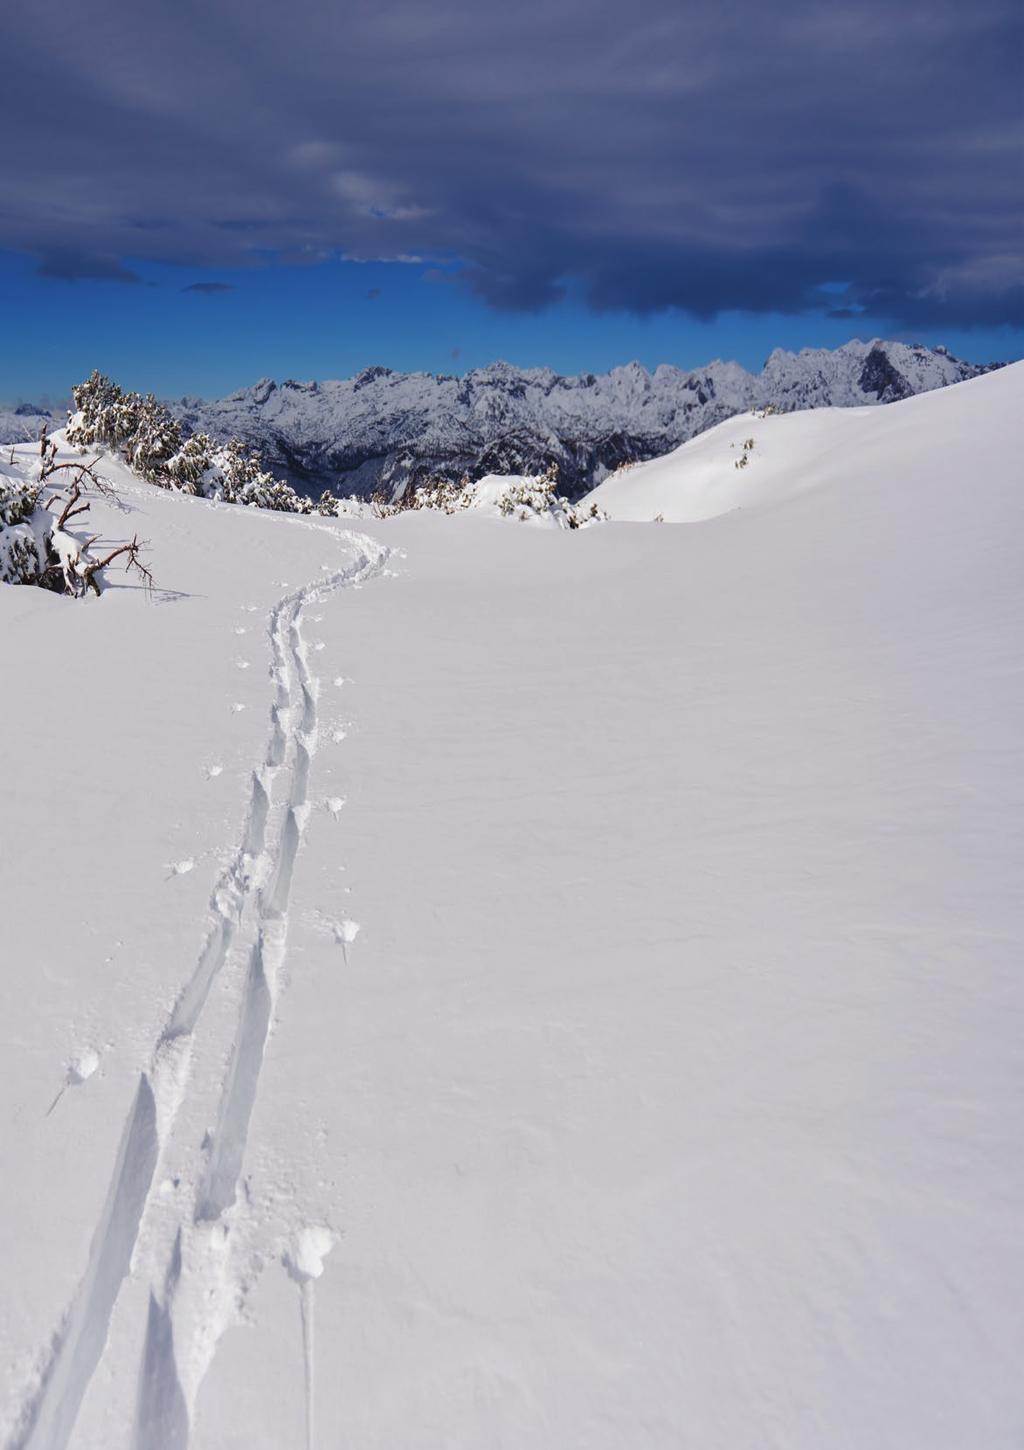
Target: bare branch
(74, 504)
(132, 550)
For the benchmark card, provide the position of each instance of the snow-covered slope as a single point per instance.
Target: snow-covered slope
(754, 460)
(522, 987)
(382, 429)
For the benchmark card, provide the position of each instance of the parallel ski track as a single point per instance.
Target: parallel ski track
(162, 1422)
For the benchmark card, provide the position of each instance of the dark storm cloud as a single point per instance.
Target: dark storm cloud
(70, 266)
(698, 154)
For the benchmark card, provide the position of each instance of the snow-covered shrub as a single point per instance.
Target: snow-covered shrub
(443, 494)
(18, 500)
(236, 476)
(37, 545)
(24, 533)
(151, 441)
(533, 498)
(744, 458)
(137, 426)
(537, 497)
(186, 468)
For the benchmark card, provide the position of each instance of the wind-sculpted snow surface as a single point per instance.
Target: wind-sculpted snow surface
(604, 1026)
(385, 430)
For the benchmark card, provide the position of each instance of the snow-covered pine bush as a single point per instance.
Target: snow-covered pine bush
(538, 497)
(236, 476)
(443, 494)
(137, 426)
(186, 467)
(25, 528)
(37, 546)
(151, 441)
(744, 458)
(526, 499)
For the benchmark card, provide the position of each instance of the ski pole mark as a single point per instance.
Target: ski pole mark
(305, 1264)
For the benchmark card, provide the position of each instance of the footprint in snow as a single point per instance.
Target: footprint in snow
(79, 1070)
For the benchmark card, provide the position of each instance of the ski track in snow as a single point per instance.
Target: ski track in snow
(255, 879)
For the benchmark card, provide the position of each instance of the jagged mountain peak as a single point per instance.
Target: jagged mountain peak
(388, 429)
(391, 428)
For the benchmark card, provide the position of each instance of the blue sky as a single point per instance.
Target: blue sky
(334, 318)
(571, 186)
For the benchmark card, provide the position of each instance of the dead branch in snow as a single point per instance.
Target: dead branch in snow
(81, 572)
(89, 571)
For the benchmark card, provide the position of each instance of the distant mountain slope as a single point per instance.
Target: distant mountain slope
(22, 424)
(385, 429)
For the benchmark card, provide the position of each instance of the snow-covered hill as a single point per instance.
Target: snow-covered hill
(470, 985)
(756, 460)
(383, 429)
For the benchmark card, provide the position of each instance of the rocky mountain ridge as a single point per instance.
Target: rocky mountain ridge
(383, 430)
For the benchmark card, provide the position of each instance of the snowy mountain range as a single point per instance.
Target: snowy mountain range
(383, 429)
(23, 423)
(386, 429)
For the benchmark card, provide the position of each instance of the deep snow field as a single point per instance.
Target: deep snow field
(470, 985)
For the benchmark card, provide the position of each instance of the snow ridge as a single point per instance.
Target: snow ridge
(205, 1224)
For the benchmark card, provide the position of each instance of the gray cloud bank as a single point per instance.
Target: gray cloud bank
(705, 156)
